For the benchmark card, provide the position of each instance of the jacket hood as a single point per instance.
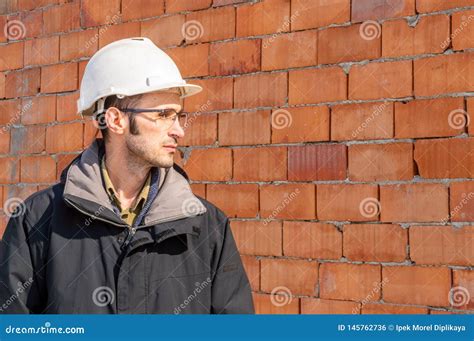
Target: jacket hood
(84, 189)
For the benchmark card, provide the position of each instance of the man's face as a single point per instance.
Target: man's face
(157, 139)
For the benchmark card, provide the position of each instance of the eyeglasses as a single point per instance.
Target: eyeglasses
(167, 116)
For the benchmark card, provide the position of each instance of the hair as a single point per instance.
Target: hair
(120, 103)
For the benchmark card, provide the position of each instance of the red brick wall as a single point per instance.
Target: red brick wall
(334, 133)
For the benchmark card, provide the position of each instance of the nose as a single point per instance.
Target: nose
(176, 130)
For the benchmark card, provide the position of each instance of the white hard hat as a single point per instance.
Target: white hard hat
(128, 67)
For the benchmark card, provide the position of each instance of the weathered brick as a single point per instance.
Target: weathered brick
(268, 164)
(179, 5)
(22, 83)
(59, 78)
(255, 124)
(96, 13)
(317, 162)
(216, 94)
(347, 202)
(256, 238)
(381, 9)
(165, 31)
(265, 17)
(28, 140)
(375, 242)
(68, 107)
(140, 9)
(311, 240)
(11, 56)
(416, 285)
(462, 30)
(64, 137)
(9, 170)
(318, 13)
(200, 130)
(62, 18)
(421, 202)
(275, 304)
(441, 5)
(260, 90)
(192, 60)
(252, 269)
(209, 25)
(463, 280)
(320, 306)
(461, 204)
(244, 203)
(40, 109)
(80, 44)
(209, 164)
(37, 169)
(241, 56)
(42, 51)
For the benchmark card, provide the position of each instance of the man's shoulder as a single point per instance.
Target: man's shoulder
(38, 203)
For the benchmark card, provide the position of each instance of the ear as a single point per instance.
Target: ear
(117, 121)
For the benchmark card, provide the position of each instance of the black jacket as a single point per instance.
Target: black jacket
(66, 250)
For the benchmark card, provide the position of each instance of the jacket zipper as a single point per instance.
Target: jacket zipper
(128, 238)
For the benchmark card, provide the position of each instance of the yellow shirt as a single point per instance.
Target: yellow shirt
(128, 215)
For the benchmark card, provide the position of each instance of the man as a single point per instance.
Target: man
(122, 232)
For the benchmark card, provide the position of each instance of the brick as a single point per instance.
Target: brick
(460, 201)
(320, 306)
(11, 56)
(179, 6)
(429, 118)
(287, 201)
(28, 5)
(317, 85)
(63, 18)
(2, 85)
(252, 269)
(82, 67)
(3, 36)
(463, 33)
(362, 121)
(8, 6)
(192, 61)
(416, 285)
(200, 130)
(68, 105)
(422, 202)
(242, 56)
(377, 308)
(463, 280)
(344, 44)
(381, 9)
(244, 203)
(90, 133)
(381, 80)
(260, 90)
(289, 50)
(63, 160)
(39, 110)
(445, 158)
(302, 124)
(95, 13)
(140, 9)
(275, 304)
(375, 242)
(167, 31)
(64, 137)
(37, 169)
(311, 240)
(257, 238)
(256, 125)
(430, 35)
(347, 202)
(22, 83)
(4, 142)
(468, 117)
(209, 164)
(444, 74)
(319, 13)
(216, 3)
(216, 94)
(118, 32)
(59, 78)
(78, 44)
(199, 189)
(441, 5)
(42, 51)
(298, 277)
(22, 191)
(268, 164)
(377, 162)
(209, 25)
(32, 23)
(10, 112)
(442, 245)
(345, 281)
(317, 162)
(265, 17)
(9, 170)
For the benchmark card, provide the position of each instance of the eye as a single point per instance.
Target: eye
(166, 113)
